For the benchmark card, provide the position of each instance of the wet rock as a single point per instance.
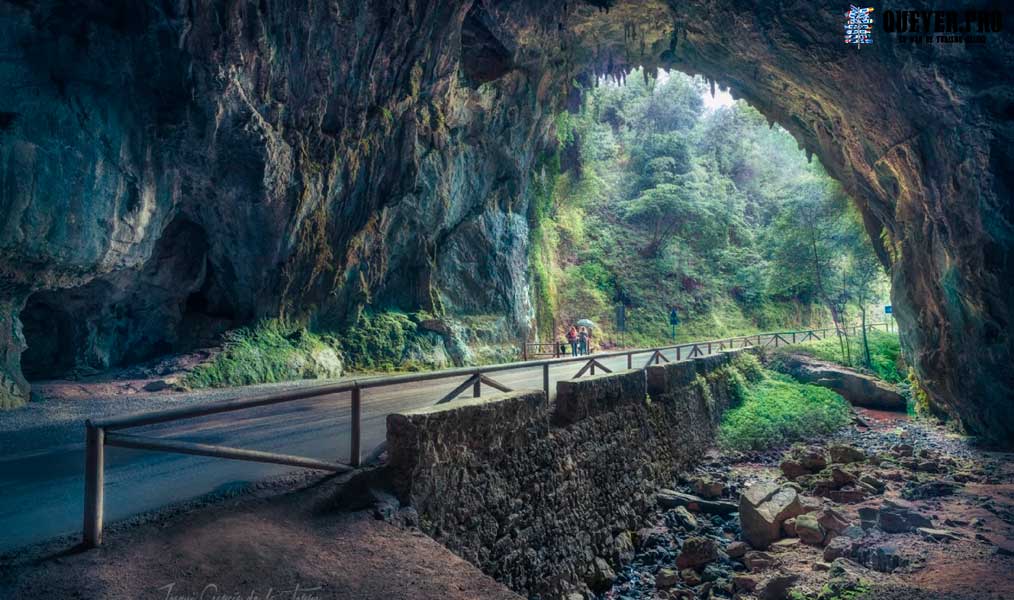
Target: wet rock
(845, 454)
(684, 518)
(758, 561)
(813, 458)
(873, 482)
(932, 489)
(745, 583)
(785, 544)
(600, 575)
(777, 587)
(838, 547)
(900, 517)
(937, 535)
(691, 577)
(666, 578)
(832, 520)
(809, 529)
(737, 549)
(708, 488)
(762, 510)
(841, 477)
(792, 469)
(884, 557)
(848, 495)
(697, 551)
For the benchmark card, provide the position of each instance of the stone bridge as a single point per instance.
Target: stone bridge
(545, 497)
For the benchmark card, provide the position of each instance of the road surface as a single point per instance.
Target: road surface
(42, 479)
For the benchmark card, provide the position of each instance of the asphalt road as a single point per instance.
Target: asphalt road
(42, 481)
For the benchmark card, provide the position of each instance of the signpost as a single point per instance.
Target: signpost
(889, 310)
(674, 320)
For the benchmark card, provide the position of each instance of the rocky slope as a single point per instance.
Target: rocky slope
(170, 169)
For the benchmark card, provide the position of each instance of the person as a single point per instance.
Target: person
(572, 339)
(582, 341)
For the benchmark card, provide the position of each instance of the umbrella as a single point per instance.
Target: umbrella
(585, 323)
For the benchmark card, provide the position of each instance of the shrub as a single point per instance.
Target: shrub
(749, 366)
(267, 352)
(778, 410)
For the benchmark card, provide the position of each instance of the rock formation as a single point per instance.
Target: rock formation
(334, 155)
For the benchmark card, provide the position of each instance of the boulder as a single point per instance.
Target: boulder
(758, 561)
(839, 547)
(736, 549)
(600, 576)
(708, 488)
(666, 578)
(813, 458)
(832, 520)
(691, 577)
(841, 477)
(792, 469)
(744, 583)
(777, 587)
(789, 527)
(859, 389)
(685, 518)
(763, 508)
(809, 529)
(697, 551)
(845, 454)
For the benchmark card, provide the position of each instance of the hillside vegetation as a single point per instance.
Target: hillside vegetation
(655, 202)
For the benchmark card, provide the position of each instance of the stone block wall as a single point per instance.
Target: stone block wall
(539, 495)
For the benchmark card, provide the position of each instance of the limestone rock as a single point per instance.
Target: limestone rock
(777, 587)
(857, 388)
(763, 508)
(697, 551)
(809, 529)
(845, 454)
(736, 549)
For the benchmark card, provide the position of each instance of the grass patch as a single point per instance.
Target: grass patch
(885, 352)
(777, 410)
(268, 352)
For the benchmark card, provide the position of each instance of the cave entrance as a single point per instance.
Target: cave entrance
(174, 303)
(704, 208)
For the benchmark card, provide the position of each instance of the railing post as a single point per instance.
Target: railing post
(355, 452)
(592, 363)
(477, 386)
(793, 337)
(709, 348)
(545, 379)
(630, 360)
(677, 353)
(94, 484)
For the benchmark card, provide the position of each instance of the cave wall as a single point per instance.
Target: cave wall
(379, 152)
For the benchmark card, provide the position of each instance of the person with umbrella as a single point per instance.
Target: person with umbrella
(584, 336)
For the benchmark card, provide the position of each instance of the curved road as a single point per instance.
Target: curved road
(41, 469)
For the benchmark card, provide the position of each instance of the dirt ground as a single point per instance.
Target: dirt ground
(283, 548)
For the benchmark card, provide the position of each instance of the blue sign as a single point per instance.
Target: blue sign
(887, 310)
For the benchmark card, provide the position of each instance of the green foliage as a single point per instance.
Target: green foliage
(267, 352)
(748, 365)
(885, 353)
(778, 410)
(378, 341)
(674, 206)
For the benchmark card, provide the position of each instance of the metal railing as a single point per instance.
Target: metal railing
(106, 432)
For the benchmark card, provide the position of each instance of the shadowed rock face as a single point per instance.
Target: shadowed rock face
(346, 153)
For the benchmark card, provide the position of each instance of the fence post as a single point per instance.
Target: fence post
(630, 360)
(709, 348)
(677, 353)
(592, 362)
(545, 379)
(477, 386)
(355, 452)
(94, 484)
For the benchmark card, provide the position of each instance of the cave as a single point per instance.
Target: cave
(174, 303)
(395, 156)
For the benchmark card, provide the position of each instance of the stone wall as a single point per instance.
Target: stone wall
(544, 497)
